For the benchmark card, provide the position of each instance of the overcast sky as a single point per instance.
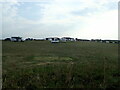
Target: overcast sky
(87, 19)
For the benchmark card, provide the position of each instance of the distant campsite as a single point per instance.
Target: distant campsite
(58, 40)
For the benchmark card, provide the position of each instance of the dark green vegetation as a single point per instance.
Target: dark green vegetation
(41, 64)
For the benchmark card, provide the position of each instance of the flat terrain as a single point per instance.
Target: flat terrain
(41, 64)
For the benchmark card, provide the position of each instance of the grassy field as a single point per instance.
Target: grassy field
(41, 64)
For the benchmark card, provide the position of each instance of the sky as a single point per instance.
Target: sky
(85, 19)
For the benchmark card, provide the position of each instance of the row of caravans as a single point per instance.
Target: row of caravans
(52, 39)
(14, 39)
(57, 40)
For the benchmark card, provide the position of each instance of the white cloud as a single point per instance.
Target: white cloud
(1, 21)
(60, 10)
(58, 19)
(103, 26)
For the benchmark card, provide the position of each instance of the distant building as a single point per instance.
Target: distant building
(64, 39)
(112, 41)
(82, 39)
(16, 39)
(39, 39)
(105, 41)
(29, 39)
(96, 40)
(55, 41)
(52, 38)
(7, 39)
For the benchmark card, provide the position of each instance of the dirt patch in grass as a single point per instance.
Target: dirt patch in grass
(44, 63)
(54, 58)
(27, 62)
(48, 63)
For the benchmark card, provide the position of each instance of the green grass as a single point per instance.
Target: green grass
(41, 64)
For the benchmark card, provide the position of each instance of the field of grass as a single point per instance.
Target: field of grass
(41, 64)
